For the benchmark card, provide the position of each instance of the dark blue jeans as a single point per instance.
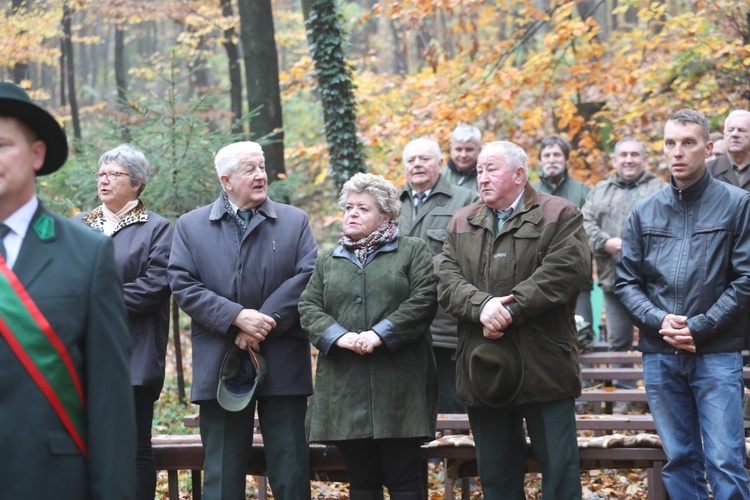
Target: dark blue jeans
(696, 401)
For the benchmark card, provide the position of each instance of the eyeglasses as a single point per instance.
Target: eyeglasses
(111, 176)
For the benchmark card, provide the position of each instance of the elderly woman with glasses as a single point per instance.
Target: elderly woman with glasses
(142, 241)
(368, 309)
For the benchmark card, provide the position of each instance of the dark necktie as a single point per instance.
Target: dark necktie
(500, 217)
(420, 197)
(245, 215)
(3, 231)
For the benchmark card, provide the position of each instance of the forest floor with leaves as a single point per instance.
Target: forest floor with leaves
(170, 412)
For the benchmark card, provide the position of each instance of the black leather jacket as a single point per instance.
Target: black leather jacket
(687, 252)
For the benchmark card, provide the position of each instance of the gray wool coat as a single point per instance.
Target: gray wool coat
(392, 392)
(215, 270)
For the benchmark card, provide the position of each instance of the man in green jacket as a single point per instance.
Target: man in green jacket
(555, 179)
(511, 270)
(427, 219)
(67, 424)
(461, 169)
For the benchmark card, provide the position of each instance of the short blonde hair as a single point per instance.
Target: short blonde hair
(384, 193)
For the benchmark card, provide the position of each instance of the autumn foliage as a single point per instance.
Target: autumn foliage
(518, 70)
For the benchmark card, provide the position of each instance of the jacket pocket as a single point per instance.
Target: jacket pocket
(60, 443)
(435, 239)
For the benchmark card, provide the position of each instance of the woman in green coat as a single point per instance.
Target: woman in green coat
(368, 309)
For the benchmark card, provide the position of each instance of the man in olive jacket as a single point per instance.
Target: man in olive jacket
(238, 268)
(605, 216)
(427, 219)
(512, 267)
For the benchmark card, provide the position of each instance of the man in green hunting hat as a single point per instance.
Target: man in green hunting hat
(66, 418)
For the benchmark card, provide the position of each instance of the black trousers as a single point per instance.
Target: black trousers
(145, 397)
(446, 367)
(374, 463)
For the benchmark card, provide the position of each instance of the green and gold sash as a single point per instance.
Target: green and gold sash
(42, 354)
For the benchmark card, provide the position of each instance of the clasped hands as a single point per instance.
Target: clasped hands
(675, 332)
(361, 343)
(495, 318)
(254, 328)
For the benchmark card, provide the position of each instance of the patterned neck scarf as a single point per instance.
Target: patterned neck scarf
(112, 220)
(386, 233)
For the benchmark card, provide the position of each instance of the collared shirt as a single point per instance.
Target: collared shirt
(515, 204)
(426, 194)
(236, 209)
(502, 215)
(18, 222)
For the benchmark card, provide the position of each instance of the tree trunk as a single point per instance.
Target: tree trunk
(20, 69)
(262, 76)
(70, 70)
(336, 89)
(199, 75)
(120, 77)
(599, 11)
(235, 75)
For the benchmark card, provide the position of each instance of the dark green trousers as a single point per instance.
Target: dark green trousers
(228, 437)
(501, 449)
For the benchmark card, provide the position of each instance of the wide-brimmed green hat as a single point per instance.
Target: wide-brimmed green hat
(241, 374)
(15, 102)
(495, 371)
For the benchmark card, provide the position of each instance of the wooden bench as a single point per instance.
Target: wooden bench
(175, 453)
(610, 357)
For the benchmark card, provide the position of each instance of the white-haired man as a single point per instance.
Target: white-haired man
(429, 201)
(511, 270)
(238, 268)
(732, 167)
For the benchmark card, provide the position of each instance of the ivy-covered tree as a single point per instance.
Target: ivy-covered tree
(336, 89)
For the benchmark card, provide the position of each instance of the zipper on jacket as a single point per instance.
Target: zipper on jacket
(488, 264)
(682, 248)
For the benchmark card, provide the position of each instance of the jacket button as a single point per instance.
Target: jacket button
(358, 300)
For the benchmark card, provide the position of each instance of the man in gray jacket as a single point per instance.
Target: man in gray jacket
(429, 201)
(684, 276)
(605, 215)
(238, 268)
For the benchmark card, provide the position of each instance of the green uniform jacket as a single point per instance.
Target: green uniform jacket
(392, 392)
(466, 181)
(569, 188)
(541, 256)
(430, 224)
(69, 272)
